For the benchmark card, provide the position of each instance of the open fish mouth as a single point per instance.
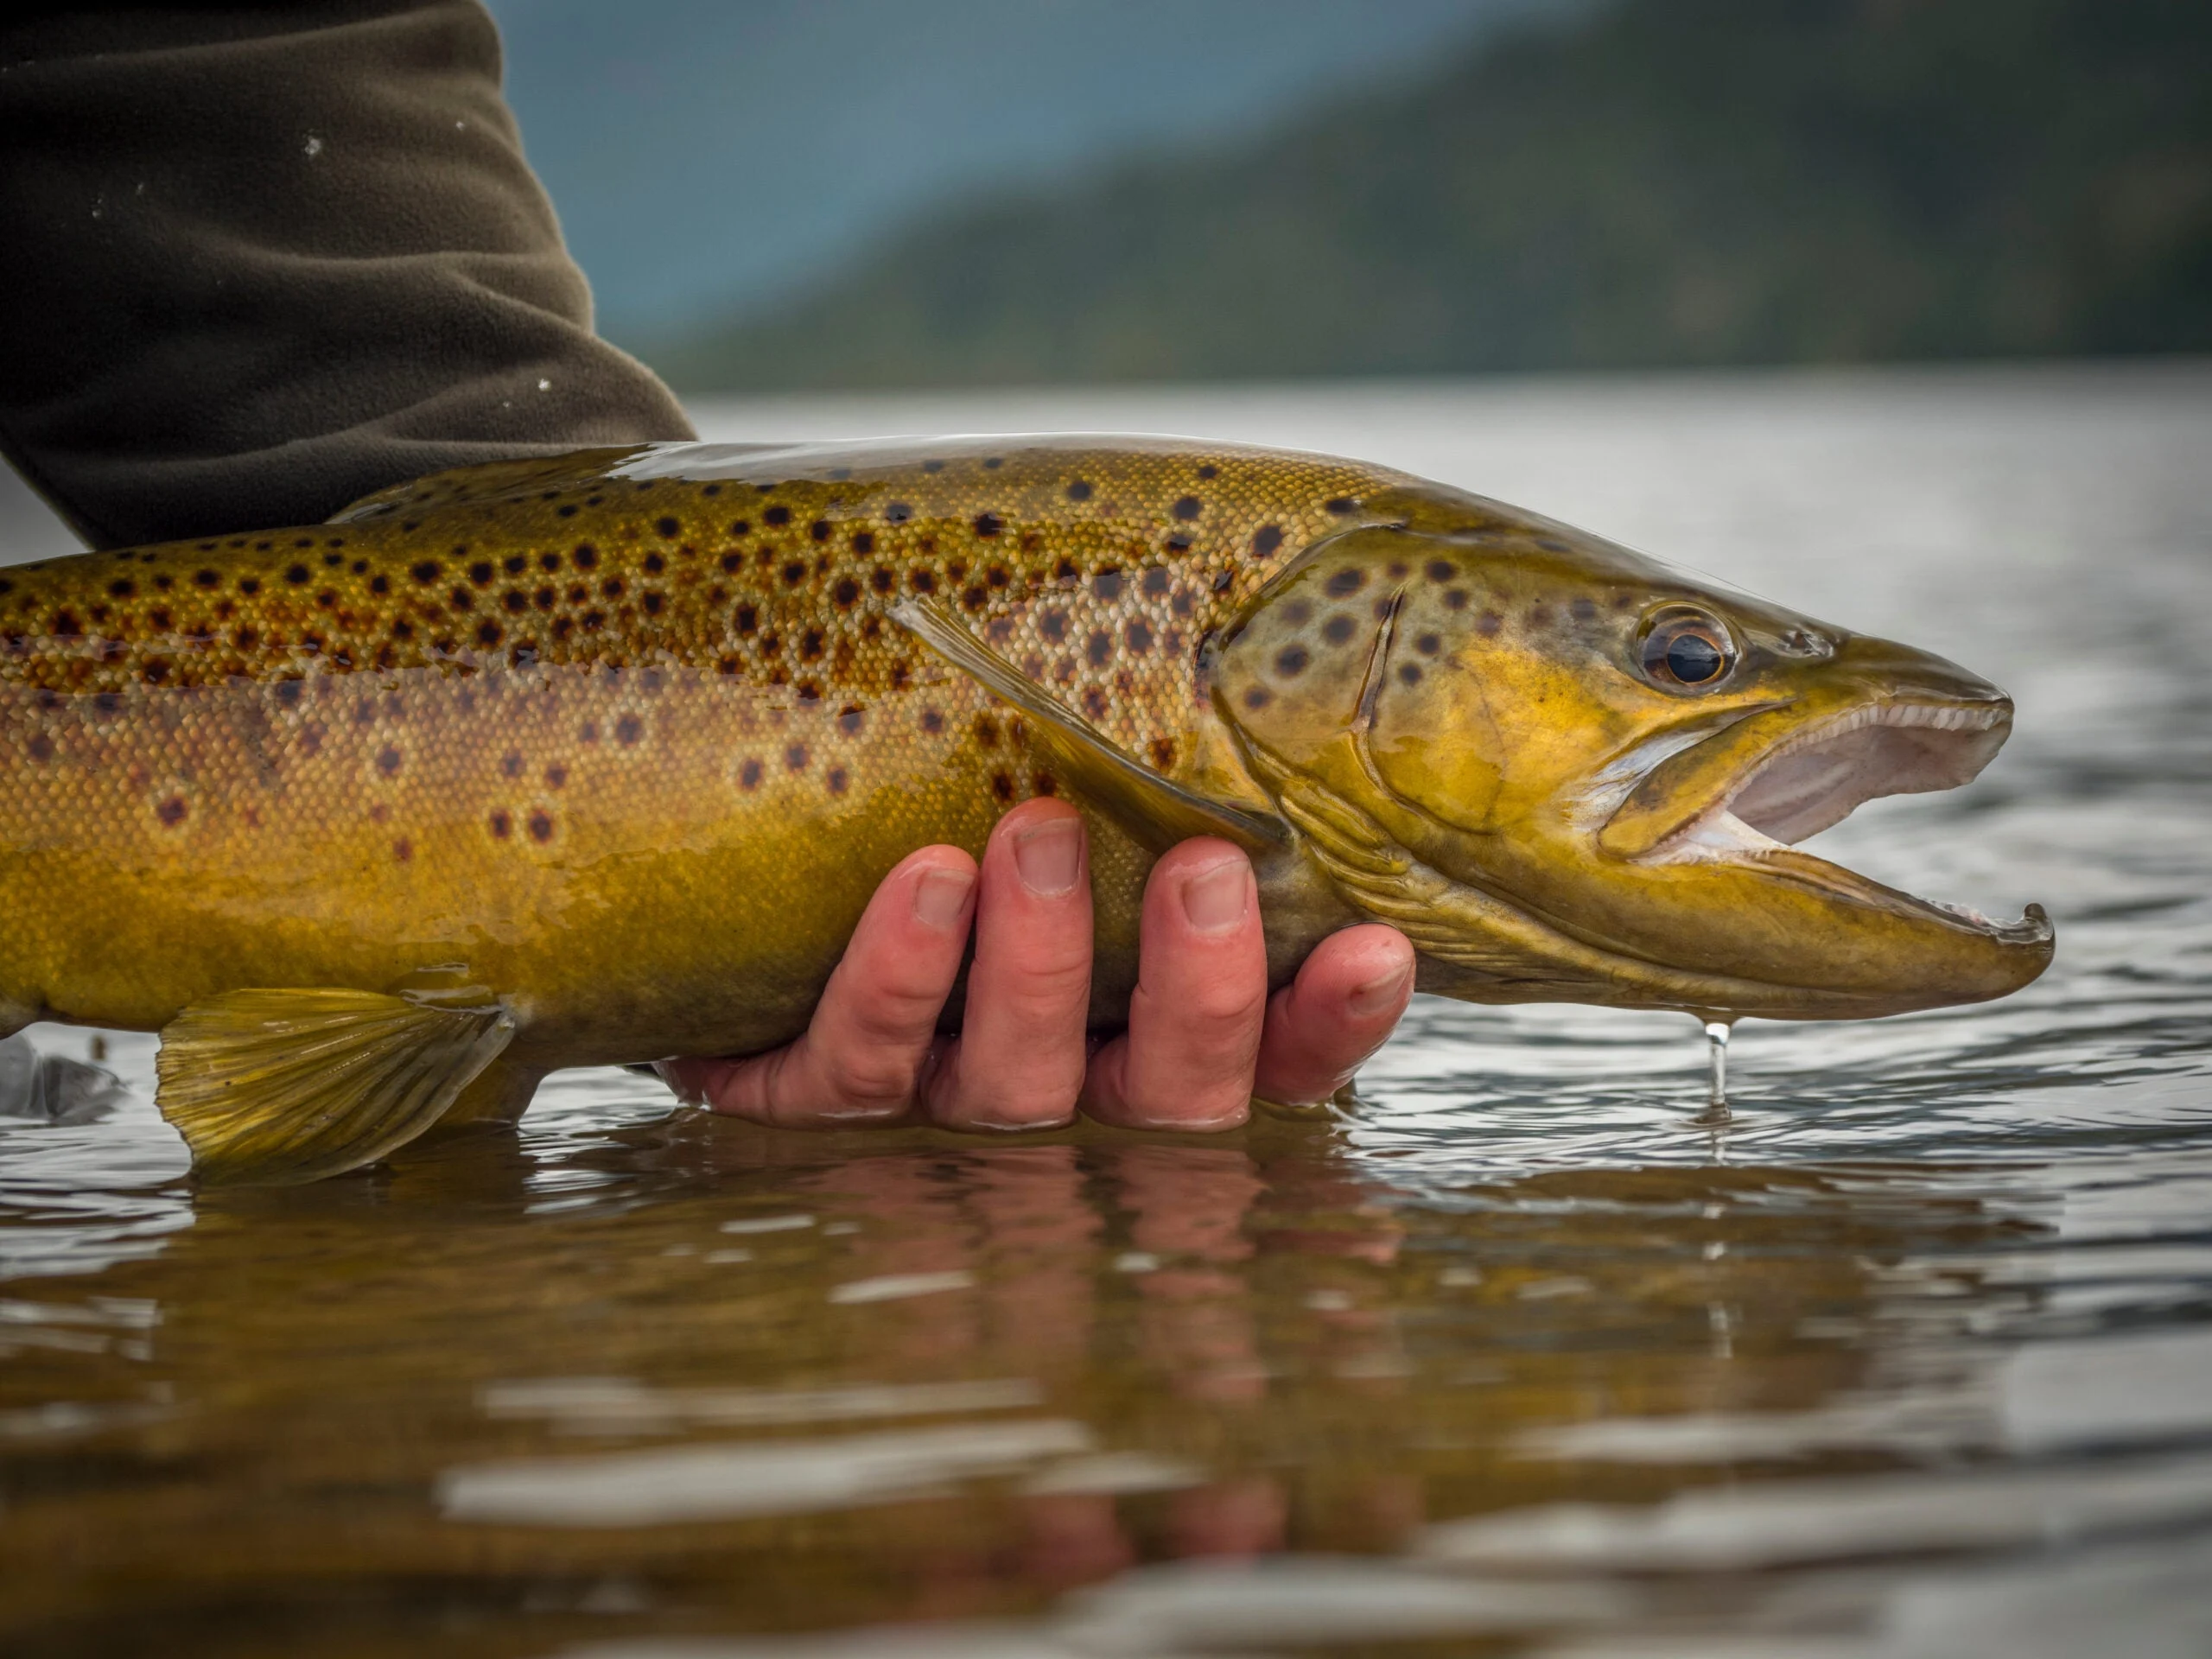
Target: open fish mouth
(1749, 792)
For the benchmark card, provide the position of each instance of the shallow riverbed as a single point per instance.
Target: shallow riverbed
(1912, 1358)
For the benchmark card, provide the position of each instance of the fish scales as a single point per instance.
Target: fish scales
(600, 758)
(309, 755)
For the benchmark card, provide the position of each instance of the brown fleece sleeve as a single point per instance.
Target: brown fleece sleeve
(257, 261)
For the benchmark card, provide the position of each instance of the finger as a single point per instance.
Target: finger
(861, 1057)
(1019, 1062)
(1187, 1060)
(1347, 998)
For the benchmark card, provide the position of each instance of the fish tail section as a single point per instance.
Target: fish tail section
(278, 1086)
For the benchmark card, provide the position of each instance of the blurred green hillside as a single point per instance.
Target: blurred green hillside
(1672, 182)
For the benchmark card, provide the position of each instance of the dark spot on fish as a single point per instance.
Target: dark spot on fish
(566, 509)
(592, 622)
(480, 572)
(747, 619)
(667, 528)
(1583, 609)
(1094, 703)
(933, 466)
(654, 563)
(1489, 622)
(462, 599)
(1107, 584)
(988, 524)
(171, 811)
(1186, 508)
(1100, 648)
(924, 582)
(748, 775)
(206, 578)
(1053, 625)
(836, 780)
(1179, 543)
(845, 593)
(976, 597)
(1067, 573)
(1441, 569)
(653, 603)
(578, 593)
(1138, 636)
(403, 850)
(776, 515)
(427, 572)
(1044, 782)
(540, 826)
(732, 563)
(1223, 581)
(1348, 581)
(502, 825)
(555, 776)
(1209, 470)
(863, 541)
(771, 643)
(1539, 616)
(933, 722)
(881, 579)
(1291, 661)
(1551, 544)
(1338, 629)
(795, 757)
(510, 764)
(897, 512)
(987, 731)
(628, 729)
(1079, 490)
(1428, 645)
(1455, 598)
(488, 632)
(246, 639)
(1399, 569)
(1341, 504)
(1002, 786)
(41, 747)
(586, 555)
(516, 599)
(611, 588)
(1163, 753)
(388, 760)
(1410, 673)
(794, 572)
(402, 629)
(810, 646)
(850, 718)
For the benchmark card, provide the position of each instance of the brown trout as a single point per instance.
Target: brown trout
(544, 763)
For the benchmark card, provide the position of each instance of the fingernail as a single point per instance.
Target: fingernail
(941, 897)
(1382, 992)
(1215, 899)
(1050, 857)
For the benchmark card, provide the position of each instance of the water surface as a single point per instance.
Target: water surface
(1913, 1357)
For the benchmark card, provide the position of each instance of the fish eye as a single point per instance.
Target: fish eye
(1687, 648)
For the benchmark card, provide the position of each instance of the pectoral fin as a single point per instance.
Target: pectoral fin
(1155, 810)
(278, 1086)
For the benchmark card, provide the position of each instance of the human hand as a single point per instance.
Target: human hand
(1204, 1034)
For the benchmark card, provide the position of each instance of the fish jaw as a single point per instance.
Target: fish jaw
(1712, 822)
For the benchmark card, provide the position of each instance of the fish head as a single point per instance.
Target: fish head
(1570, 772)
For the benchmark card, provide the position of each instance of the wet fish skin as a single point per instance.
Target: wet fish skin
(599, 760)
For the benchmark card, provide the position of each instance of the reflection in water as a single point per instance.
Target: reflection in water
(1910, 1354)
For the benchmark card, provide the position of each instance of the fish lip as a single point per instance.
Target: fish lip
(1953, 738)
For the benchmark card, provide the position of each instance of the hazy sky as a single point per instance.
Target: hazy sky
(705, 155)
